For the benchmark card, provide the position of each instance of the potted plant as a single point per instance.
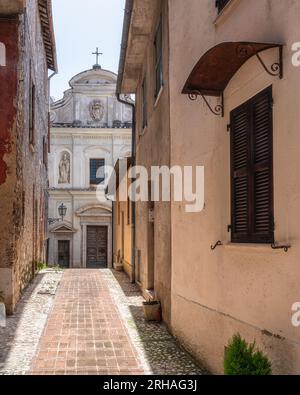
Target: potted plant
(152, 311)
(2, 311)
(243, 359)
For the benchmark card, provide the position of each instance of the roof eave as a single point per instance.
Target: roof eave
(46, 17)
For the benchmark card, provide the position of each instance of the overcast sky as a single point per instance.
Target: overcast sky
(80, 27)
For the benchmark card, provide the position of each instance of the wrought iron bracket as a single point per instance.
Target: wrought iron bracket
(217, 110)
(52, 221)
(276, 68)
(218, 244)
(281, 247)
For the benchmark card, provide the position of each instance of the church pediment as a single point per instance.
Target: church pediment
(94, 77)
(94, 211)
(91, 103)
(63, 228)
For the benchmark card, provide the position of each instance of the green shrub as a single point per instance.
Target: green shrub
(242, 358)
(41, 266)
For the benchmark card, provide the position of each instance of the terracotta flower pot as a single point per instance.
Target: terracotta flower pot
(152, 311)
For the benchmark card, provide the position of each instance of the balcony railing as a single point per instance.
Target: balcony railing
(220, 4)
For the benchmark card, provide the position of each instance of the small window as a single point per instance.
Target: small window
(128, 211)
(119, 212)
(23, 207)
(220, 4)
(31, 112)
(158, 60)
(45, 151)
(2, 55)
(49, 133)
(97, 174)
(252, 170)
(144, 103)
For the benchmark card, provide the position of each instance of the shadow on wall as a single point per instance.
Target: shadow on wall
(159, 350)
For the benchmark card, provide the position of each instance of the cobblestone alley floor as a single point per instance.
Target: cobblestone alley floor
(93, 325)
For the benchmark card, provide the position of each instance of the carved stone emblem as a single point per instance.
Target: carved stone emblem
(97, 110)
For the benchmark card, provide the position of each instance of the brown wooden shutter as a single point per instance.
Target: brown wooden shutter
(252, 170)
(262, 115)
(240, 173)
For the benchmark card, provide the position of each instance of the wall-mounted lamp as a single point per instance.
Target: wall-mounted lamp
(62, 211)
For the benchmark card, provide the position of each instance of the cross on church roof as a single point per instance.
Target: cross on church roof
(97, 53)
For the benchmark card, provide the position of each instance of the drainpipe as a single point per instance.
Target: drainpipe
(133, 208)
(49, 81)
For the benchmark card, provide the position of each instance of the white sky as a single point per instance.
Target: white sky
(80, 27)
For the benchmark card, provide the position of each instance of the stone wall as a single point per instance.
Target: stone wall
(23, 174)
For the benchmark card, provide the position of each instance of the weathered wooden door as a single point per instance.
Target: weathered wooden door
(64, 253)
(96, 247)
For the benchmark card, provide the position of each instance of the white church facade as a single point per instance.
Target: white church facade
(90, 128)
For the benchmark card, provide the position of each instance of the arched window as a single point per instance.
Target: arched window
(2, 54)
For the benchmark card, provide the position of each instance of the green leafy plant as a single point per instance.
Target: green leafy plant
(41, 266)
(242, 358)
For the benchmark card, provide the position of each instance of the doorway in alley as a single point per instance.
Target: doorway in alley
(64, 253)
(96, 247)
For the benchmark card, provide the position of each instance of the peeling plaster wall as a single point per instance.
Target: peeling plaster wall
(23, 175)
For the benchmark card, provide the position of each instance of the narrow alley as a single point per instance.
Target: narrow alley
(149, 192)
(87, 322)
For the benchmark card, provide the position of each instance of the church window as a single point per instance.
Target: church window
(97, 174)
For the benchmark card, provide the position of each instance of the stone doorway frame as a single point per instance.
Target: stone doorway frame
(94, 222)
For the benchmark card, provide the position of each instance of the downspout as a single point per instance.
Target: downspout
(49, 82)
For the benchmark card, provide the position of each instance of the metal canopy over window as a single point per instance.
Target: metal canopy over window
(217, 66)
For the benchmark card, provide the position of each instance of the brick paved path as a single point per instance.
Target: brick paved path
(87, 322)
(85, 333)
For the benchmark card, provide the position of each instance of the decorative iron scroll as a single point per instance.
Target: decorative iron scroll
(281, 247)
(218, 244)
(217, 110)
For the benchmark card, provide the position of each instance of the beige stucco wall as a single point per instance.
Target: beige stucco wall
(122, 252)
(153, 149)
(245, 288)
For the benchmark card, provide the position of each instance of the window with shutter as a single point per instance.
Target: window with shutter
(220, 4)
(252, 170)
(158, 44)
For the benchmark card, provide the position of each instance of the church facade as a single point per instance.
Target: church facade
(90, 129)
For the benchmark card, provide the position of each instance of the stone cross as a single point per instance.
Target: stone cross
(97, 53)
